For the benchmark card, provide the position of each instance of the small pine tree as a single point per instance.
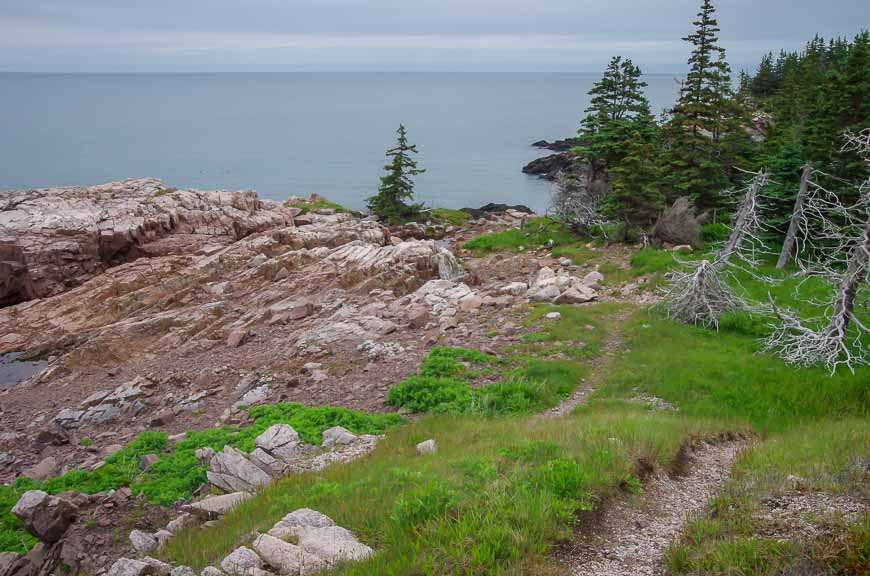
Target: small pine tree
(397, 187)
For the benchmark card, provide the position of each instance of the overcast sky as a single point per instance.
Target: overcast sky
(286, 35)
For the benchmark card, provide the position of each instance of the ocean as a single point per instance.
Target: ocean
(294, 133)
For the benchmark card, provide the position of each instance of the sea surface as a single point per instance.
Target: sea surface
(295, 133)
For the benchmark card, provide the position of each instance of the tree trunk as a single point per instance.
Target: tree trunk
(791, 236)
(740, 223)
(845, 302)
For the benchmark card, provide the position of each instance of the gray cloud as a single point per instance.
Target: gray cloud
(256, 35)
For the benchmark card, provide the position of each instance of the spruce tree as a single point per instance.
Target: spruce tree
(705, 114)
(397, 188)
(619, 131)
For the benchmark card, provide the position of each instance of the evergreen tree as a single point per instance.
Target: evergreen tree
(397, 187)
(619, 131)
(765, 81)
(705, 115)
(635, 198)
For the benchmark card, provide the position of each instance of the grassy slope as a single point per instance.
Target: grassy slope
(478, 508)
(497, 493)
(813, 425)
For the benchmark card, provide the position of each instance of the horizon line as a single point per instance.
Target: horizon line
(315, 71)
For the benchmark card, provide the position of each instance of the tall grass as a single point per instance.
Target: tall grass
(721, 374)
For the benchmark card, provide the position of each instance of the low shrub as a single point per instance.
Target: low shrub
(715, 232)
(680, 224)
(431, 394)
(443, 387)
(423, 503)
(306, 206)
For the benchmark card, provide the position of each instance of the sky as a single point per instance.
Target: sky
(441, 35)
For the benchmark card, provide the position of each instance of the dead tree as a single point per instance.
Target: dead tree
(576, 202)
(747, 225)
(788, 246)
(840, 239)
(700, 294)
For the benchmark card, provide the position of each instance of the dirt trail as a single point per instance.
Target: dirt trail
(633, 535)
(609, 352)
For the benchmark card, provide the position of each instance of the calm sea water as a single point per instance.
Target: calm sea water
(292, 134)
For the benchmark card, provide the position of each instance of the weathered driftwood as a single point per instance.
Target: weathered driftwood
(699, 296)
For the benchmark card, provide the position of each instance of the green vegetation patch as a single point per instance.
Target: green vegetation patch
(722, 375)
(578, 333)
(493, 499)
(177, 472)
(450, 216)
(307, 206)
(443, 385)
(538, 233)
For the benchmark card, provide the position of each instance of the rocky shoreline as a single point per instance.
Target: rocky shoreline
(163, 310)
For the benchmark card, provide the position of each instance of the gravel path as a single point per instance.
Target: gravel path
(633, 535)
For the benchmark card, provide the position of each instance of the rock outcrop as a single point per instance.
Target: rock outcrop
(46, 517)
(56, 238)
(232, 471)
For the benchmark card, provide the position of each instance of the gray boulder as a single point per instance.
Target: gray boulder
(333, 544)
(577, 295)
(184, 519)
(288, 559)
(8, 563)
(241, 561)
(47, 468)
(337, 435)
(233, 472)
(159, 567)
(211, 571)
(279, 440)
(142, 542)
(204, 455)
(46, 517)
(128, 567)
(182, 571)
(427, 447)
(267, 463)
(292, 523)
(214, 507)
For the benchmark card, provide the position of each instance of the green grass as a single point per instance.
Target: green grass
(493, 499)
(812, 425)
(537, 234)
(578, 333)
(443, 384)
(450, 216)
(177, 472)
(307, 206)
(721, 375)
